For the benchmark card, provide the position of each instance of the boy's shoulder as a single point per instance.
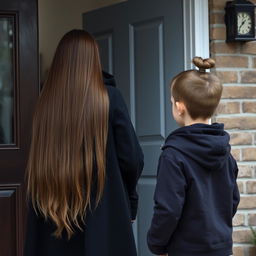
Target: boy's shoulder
(171, 154)
(199, 146)
(173, 146)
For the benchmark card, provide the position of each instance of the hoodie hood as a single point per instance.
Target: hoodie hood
(207, 145)
(108, 79)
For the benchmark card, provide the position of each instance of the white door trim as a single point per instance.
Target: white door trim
(196, 30)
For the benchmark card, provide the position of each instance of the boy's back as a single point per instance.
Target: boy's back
(196, 194)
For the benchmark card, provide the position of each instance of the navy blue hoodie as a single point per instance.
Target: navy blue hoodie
(196, 194)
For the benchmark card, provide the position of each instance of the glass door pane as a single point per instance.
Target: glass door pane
(6, 80)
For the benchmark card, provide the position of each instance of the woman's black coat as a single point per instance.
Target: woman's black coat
(108, 229)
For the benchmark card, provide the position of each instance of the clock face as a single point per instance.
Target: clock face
(244, 23)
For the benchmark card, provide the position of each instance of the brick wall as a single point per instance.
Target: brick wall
(236, 67)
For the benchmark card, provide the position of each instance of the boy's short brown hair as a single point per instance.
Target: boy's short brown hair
(198, 90)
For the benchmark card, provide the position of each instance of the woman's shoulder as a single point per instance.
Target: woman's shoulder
(112, 91)
(117, 105)
(115, 96)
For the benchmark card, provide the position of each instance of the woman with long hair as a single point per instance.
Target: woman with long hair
(84, 162)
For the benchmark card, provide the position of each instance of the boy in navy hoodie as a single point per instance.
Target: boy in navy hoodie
(196, 194)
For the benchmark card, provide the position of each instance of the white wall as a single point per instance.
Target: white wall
(56, 17)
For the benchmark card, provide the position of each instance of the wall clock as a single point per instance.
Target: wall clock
(240, 21)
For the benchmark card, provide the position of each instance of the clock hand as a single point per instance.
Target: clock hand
(242, 24)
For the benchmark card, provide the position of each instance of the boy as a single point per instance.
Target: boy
(196, 194)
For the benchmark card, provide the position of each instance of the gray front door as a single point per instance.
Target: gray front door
(141, 43)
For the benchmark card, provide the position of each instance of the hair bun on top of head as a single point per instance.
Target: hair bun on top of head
(203, 64)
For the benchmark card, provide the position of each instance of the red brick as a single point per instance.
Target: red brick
(249, 107)
(236, 153)
(227, 76)
(252, 219)
(242, 236)
(238, 122)
(247, 202)
(240, 185)
(252, 251)
(220, 47)
(231, 61)
(238, 251)
(217, 18)
(254, 62)
(245, 171)
(238, 220)
(248, 47)
(228, 108)
(240, 138)
(218, 33)
(239, 92)
(217, 5)
(248, 77)
(251, 187)
(249, 154)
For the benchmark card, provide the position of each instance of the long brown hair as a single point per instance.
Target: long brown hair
(69, 135)
(198, 90)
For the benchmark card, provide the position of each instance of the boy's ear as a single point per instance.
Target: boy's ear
(180, 107)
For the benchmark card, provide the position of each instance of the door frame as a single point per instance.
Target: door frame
(196, 30)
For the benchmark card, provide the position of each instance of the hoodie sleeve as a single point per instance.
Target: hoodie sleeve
(169, 200)
(236, 194)
(128, 150)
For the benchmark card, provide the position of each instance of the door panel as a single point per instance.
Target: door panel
(8, 85)
(143, 41)
(7, 71)
(146, 189)
(105, 41)
(18, 94)
(148, 78)
(10, 218)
